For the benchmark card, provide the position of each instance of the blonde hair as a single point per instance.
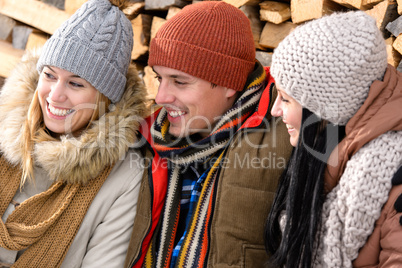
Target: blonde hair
(34, 131)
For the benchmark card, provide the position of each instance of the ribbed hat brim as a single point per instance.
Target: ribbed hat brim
(78, 59)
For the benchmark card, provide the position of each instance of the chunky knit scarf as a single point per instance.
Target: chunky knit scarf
(353, 206)
(194, 249)
(45, 224)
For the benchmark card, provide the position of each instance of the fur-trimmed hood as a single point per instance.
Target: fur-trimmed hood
(72, 159)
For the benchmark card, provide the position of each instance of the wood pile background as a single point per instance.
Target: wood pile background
(26, 24)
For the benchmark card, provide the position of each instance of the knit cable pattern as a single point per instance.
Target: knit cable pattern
(94, 43)
(353, 206)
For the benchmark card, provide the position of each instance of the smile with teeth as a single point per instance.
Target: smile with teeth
(176, 113)
(59, 112)
(291, 129)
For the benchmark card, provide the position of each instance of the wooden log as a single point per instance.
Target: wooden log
(163, 4)
(70, 6)
(157, 22)
(9, 57)
(256, 24)
(172, 11)
(304, 10)
(399, 2)
(384, 13)
(36, 40)
(134, 9)
(239, 3)
(151, 83)
(273, 34)
(359, 4)
(20, 36)
(56, 3)
(274, 12)
(154, 23)
(397, 44)
(6, 27)
(395, 27)
(264, 58)
(393, 56)
(34, 13)
(141, 31)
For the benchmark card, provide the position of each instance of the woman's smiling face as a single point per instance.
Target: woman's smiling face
(291, 112)
(67, 100)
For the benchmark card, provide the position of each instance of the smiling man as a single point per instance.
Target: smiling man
(214, 152)
(192, 104)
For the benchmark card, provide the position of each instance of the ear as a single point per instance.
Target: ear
(230, 92)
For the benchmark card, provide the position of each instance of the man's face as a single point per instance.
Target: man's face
(193, 104)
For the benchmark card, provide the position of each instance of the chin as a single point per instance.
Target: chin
(176, 133)
(293, 142)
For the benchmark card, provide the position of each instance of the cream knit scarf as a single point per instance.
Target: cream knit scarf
(353, 206)
(45, 224)
(368, 157)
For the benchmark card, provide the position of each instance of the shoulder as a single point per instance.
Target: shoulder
(128, 171)
(119, 191)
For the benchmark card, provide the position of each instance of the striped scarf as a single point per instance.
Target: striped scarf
(194, 247)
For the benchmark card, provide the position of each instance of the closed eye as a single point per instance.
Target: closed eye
(74, 84)
(180, 83)
(49, 75)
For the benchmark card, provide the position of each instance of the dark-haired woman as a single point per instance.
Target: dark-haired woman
(342, 105)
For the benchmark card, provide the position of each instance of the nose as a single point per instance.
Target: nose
(164, 95)
(276, 108)
(57, 92)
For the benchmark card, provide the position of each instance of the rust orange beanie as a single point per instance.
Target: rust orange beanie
(210, 40)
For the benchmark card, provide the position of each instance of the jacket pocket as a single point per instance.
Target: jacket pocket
(254, 256)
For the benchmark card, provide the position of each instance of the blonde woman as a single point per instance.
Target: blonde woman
(69, 181)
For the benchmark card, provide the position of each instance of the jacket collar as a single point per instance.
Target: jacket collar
(262, 114)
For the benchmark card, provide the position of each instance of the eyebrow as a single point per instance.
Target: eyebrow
(173, 75)
(76, 76)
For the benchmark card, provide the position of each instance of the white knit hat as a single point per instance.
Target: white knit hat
(95, 43)
(329, 64)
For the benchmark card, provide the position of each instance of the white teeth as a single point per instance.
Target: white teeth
(289, 127)
(176, 113)
(59, 112)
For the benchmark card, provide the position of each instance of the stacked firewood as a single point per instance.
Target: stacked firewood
(26, 24)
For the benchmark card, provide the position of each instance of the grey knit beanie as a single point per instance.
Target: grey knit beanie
(95, 43)
(329, 64)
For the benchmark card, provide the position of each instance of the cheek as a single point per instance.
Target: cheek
(299, 118)
(83, 99)
(42, 94)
